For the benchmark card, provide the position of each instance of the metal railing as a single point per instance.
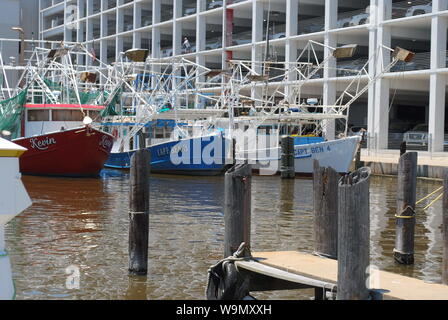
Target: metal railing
(411, 8)
(353, 18)
(311, 25)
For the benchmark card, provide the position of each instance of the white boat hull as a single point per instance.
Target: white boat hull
(337, 154)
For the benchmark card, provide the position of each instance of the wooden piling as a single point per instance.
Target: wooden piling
(445, 230)
(325, 196)
(405, 216)
(353, 235)
(358, 163)
(403, 148)
(287, 168)
(139, 212)
(237, 207)
(142, 134)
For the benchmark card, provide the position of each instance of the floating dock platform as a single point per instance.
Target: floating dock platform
(385, 162)
(295, 270)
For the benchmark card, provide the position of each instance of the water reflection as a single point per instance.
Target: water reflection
(84, 223)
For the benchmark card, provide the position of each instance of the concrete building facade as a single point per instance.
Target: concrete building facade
(22, 14)
(406, 96)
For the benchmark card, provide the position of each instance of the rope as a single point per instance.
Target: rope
(428, 196)
(237, 256)
(400, 216)
(434, 201)
(404, 217)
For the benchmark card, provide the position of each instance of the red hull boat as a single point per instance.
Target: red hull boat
(77, 152)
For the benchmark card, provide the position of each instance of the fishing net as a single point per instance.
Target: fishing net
(10, 112)
(109, 110)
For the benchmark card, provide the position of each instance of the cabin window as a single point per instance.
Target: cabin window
(264, 130)
(159, 133)
(168, 132)
(67, 115)
(38, 115)
(94, 114)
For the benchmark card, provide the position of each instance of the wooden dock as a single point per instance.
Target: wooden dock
(351, 276)
(301, 270)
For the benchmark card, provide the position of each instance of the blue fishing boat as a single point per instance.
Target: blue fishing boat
(170, 154)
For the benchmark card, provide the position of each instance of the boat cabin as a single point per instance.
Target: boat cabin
(42, 118)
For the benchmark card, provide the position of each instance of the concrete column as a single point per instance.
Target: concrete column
(257, 36)
(292, 9)
(156, 15)
(104, 5)
(382, 88)
(177, 27)
(120, 20)
(137, 36)
(89, 7)
(200, 32)
(67, 30)
(103, 56)
(329, 88)
(80, 38)
(227, 34)
(372, 72)
(201, 6)
(200, 59)
(437, 86)
(40, 20)
(118, 47)
(103, 33)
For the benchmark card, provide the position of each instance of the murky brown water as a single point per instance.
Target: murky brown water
(84, 223)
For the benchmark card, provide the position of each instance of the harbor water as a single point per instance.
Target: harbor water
(72, 243)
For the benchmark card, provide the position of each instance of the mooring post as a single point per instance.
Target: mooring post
(325, 199)
(445, 229)
(287, 168)
(325, 196)
(237, 207)
(405, 216)
(353, 235)
(139, 212)
(403, 148)
(358, 163)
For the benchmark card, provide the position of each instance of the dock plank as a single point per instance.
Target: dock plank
(393, 285)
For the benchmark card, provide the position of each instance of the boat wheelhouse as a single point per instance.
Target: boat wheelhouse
(42, 118)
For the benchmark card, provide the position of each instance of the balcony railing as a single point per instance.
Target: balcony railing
(421, 61)
(213, 4)
(411, 8)
(351, 67)
(189, 11)
(311, 25)
(353, 18)
(213, 43)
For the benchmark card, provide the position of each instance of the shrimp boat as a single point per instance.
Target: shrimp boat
(59, 144)
(179, 148)
(155, 116)
(52, 116)
(265, 100)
